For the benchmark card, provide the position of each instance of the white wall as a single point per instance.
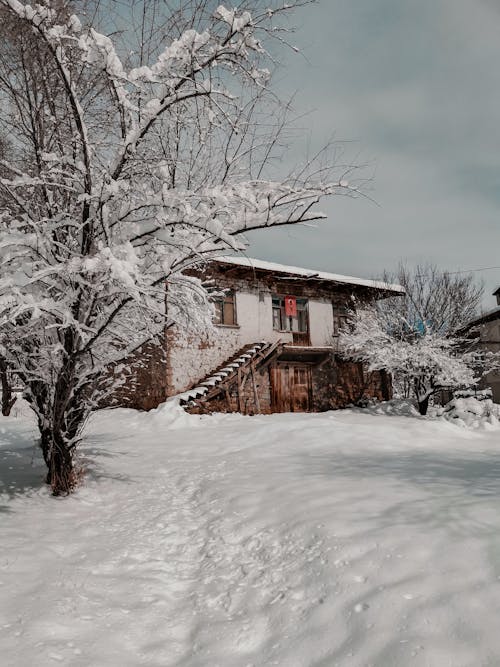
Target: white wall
(321, 322)
(191, 360)
(255, 318)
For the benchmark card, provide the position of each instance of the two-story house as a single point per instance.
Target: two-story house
(273, 347)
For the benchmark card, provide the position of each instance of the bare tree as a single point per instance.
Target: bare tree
(434, 300)
(126, 168)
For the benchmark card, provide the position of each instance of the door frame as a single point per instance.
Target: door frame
(282, 380)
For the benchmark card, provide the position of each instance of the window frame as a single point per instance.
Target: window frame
(279, 309)
(220, 303)
(341, 318)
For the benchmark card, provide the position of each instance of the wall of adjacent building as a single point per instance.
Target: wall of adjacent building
(490, 340)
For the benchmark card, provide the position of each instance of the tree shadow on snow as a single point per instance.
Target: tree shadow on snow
(22, 470)
(93, 470)
(422, 488)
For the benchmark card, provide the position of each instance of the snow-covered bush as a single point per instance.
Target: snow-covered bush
(471, 412)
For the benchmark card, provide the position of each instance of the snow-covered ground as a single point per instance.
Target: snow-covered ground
(345, 538)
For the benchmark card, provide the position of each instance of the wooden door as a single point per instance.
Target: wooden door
(301, 388)
(291, 387)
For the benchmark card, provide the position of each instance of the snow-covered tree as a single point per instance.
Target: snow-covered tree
(424, 361)
(416, 336)
(128, 164)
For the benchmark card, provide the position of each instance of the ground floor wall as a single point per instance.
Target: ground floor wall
(252, 396)
(146, 381)
(492, 381)
(299, 387)
(338, 383)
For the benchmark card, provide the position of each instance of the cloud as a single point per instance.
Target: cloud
(416, 88)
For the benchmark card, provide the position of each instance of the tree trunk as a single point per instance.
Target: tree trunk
(62, 476)
(61, 413)
(8, 398)
(423, 405)
(57, 454)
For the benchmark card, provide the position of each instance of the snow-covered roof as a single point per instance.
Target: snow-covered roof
(309, 274)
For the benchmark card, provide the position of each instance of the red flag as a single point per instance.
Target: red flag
(290, 306)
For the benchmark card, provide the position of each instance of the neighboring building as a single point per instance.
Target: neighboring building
(486, 330)
(273, 348)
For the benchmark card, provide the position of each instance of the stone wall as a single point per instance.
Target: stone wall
(192, 358)
(338, 383)
(144, 379)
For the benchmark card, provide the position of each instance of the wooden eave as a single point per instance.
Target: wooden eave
(285, 283)
(303, 354)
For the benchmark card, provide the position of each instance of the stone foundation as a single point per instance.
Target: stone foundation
(338, 383)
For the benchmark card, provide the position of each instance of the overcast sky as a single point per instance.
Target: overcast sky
(414, 86)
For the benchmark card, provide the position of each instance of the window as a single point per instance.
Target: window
(284, 322)
(340, 318)
(225, 309)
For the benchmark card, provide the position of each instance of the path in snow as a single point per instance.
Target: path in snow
(336, 539)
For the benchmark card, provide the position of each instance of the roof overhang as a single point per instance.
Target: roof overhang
(295, 273)
(296, 353)
(489, 316)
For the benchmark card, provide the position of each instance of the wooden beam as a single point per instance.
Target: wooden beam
(255, 392)
(240, 397)
(228, 399)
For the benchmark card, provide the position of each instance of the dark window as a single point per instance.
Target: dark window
(225, 309)
(283, 322)
(340, 318)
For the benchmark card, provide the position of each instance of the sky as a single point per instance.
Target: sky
(412, 89)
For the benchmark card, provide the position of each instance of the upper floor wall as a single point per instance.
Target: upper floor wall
(257, 318)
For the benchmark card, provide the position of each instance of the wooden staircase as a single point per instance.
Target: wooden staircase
(236, 371)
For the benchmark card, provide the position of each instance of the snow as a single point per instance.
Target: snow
(471, 412)
(308, 273)
(355, 537)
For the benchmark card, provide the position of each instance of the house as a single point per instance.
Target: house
(273, 347)
(486, 332)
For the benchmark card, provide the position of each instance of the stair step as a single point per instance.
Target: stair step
(211, 382)
(227, 372)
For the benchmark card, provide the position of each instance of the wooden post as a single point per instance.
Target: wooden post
(228, 399)
(255, 393)
(240, 397)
